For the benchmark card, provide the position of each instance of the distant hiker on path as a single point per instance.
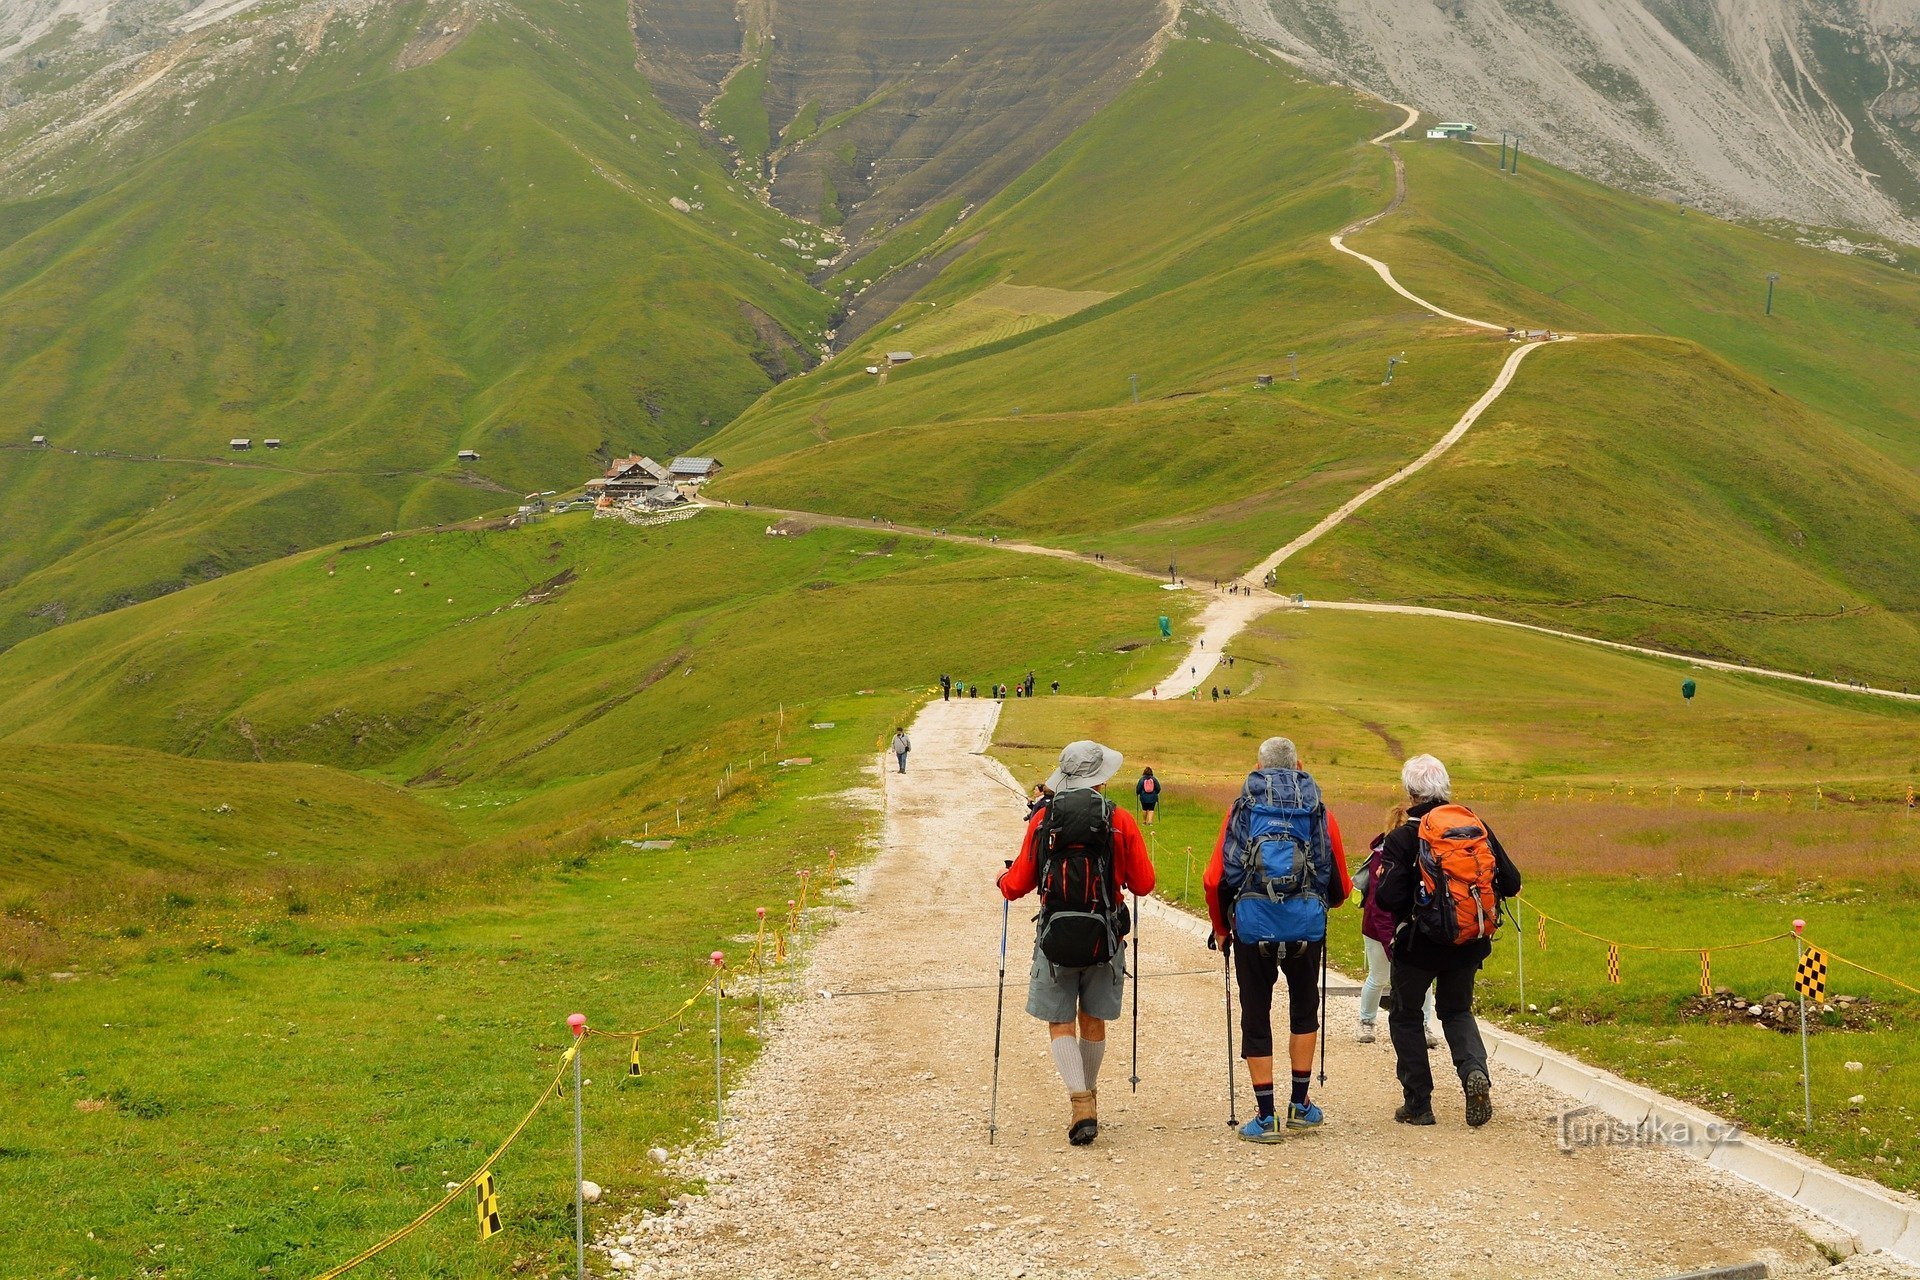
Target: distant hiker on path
(946, 687)
(1147, 790)
(1277, 868)
(1083, 853)
(900, 747)
(1443, 878)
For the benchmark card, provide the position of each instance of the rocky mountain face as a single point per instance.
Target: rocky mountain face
(1801, 110)
(865, 112)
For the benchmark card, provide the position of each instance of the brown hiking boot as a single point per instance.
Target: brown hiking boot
(1086, 1120)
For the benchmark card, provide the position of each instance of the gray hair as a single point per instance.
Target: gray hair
(1426, 779)
(1279, 753)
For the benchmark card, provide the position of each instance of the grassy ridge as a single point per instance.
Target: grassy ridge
(1619, 489)
(1553, 248)
(476, 253)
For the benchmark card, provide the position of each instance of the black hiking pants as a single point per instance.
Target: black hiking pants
(1260, 966)
(1406, 1025)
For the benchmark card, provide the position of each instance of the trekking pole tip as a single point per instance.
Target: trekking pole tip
(577, 1021)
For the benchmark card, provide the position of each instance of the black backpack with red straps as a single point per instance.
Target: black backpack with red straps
(1081, 923)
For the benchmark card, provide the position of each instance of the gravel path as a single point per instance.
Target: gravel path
(859, 1144)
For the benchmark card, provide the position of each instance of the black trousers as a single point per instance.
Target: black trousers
(1259, 968)
(1453, 1006)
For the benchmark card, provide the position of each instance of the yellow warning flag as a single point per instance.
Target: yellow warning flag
(633, 1059)
(1810, 975)
(1706, 974)
(1613, 963)
(487, 1205)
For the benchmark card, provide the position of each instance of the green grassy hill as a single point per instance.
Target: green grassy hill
(476, 252)
(1740, 486)
(1217, 268)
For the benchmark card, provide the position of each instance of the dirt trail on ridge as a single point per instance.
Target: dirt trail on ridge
(858, 1143)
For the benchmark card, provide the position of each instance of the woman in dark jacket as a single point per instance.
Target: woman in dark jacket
(1148, 791)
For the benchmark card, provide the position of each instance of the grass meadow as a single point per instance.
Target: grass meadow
(1632, 815)
(294, 948)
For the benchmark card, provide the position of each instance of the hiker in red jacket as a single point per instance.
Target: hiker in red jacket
(1084, 854)
(1277, 933)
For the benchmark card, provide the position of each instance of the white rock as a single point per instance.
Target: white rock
(1855, 1066)
(590, 1192)
(657, 1154)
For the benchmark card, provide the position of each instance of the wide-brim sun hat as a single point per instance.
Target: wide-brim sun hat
(1084, 764)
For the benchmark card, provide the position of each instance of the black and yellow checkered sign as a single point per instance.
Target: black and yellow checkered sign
(633, 1059)
(487, 1205)
(1613, 964)
(1810, 975)
(1543, 931)
(1706, 975)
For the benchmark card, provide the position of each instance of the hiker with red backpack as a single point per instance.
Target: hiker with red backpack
(1444, 879)
(1277, 869)
(1084, 854)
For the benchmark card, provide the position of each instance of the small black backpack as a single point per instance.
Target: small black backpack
(1080, 923)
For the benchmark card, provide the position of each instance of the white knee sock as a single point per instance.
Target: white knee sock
(1066, 1057)
(1092, 1052)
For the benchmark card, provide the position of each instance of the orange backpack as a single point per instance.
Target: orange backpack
(1456, 905)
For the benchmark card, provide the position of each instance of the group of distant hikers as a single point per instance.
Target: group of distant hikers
(1431, 894)
(951, 688)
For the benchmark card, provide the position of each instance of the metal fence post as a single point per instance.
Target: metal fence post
(719, 959)
(578, 1022)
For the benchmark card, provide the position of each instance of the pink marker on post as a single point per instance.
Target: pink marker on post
(761, 912)
(718, 959)
(578, 1021)
(1799, 926)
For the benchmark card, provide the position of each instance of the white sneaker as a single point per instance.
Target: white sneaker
(1364, 1035)
(1434, 1040)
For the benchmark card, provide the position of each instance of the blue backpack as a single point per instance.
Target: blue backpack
(1279, 859)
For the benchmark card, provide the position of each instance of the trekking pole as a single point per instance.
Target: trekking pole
(1226, 989)
(999, 1011)
(1323, 1011)
(1134, 1079)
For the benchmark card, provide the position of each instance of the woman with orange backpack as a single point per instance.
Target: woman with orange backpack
(1443, 879)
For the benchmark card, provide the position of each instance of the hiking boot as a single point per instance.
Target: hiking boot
(1364, 1034)
(1086, 1122)
(1479, 1098)
(1262, 1129)
(1434, 1040)
(1304, 1115)
(1406, 1114)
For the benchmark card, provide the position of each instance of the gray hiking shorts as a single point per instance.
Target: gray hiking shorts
(1057, 995)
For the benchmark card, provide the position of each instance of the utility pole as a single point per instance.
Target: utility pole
(1503, 150)
(1134, 379)
(1293, 363)
(1516, 154)
(1773, 278)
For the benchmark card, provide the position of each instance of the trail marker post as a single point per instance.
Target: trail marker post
(1134, 380)
(1773, 278)
(793, 961)
(578, 1022)
(1520, 956)
(1293, 364)
(719, 961)
(1806, 1067)
(760, 970)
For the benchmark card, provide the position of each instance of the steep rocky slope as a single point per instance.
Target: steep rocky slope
(1804, 110)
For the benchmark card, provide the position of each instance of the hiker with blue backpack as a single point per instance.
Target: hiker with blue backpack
(1083, 853)
(1444, 879)
(1277, 869)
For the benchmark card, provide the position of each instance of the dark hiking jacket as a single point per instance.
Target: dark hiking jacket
(1396, 886)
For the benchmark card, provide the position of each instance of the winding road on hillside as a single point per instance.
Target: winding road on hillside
(858, 1143)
